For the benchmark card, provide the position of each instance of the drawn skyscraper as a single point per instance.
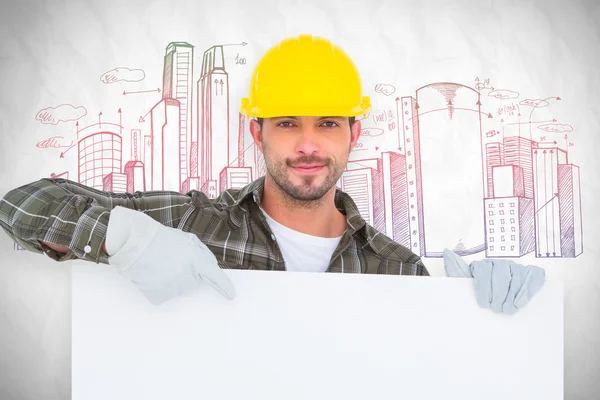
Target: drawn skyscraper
(569, 200)
(213, 117)
(178, 84)
(137, 148)
(363, 181)
(518, 152)
(165, 145)
(134, 168)
(147, 161)
(410, 142)
(235, 178)
(509, 214)
(99, 155)
(547, 209)
(395, 194)
(494, 154)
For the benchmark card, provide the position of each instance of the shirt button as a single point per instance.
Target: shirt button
(87, 249)
(273, 237)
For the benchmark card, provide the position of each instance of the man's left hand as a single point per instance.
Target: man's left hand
(502, 285)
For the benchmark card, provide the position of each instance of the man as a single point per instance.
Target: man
(305, 94)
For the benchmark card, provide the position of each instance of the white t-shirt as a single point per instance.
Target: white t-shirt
(302, 252)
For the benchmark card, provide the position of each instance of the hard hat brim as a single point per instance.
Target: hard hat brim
(316, 110)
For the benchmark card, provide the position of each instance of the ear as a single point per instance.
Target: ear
(455, 266)
(256, 133)
(354, 133)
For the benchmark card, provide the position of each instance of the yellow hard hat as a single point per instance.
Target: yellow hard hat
(305, 76)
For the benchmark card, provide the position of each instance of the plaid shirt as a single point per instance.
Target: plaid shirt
(67, 214)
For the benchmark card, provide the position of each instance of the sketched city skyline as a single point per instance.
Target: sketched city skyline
(521, 193)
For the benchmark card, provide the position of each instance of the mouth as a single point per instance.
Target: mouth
(308, 169)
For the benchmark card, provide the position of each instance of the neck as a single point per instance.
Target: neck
(317, 218)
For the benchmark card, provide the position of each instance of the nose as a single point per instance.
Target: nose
(308, 141)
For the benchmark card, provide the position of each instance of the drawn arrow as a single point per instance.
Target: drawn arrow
(221, 82)
(533, 109)
(243, 153)
(216, 87)
(100, 119)
(53, 175)
(234, 44)
(62, 155)
(555, 142)
(532, 122)
(143, 119)
(142, 91)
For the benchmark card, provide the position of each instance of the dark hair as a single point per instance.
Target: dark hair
(350, 120)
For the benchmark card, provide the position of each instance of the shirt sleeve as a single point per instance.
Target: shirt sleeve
(68, 214)
(421, 270)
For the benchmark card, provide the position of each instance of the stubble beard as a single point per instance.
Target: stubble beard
(305, 195)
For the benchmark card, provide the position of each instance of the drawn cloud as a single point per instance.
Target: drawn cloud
(503, 94)
(534, 103)
(371, 132)
(384, 88)
(61, 113)
(559, 128)
(123, 74)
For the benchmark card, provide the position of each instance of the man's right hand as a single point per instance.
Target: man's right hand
(163, 262)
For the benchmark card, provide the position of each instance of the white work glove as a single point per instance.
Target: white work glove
(501, 285)
(161, 261)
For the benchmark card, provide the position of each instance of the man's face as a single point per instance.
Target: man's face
(305, 156)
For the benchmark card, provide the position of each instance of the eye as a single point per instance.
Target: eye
(331, 122)
(285, 124)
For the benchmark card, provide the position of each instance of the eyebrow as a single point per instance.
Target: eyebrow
(285, 118)
(338, 117)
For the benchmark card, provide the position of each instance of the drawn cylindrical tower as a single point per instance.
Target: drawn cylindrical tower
(452, 169)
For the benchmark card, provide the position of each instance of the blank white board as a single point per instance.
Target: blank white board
(312, 336)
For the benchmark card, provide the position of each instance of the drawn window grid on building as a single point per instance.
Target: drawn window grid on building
(238, 179)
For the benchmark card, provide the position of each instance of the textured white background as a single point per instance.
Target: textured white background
(54, 52)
